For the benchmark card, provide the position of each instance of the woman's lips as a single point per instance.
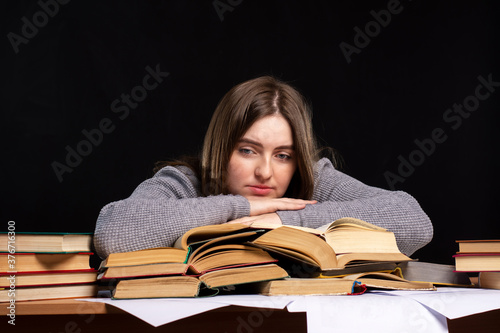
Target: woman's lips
(260, 189)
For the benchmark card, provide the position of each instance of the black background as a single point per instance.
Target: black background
(395, 90)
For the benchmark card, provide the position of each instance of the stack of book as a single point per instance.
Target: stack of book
(206, 260)
(37, 266)
(482, 257)
(260, 258)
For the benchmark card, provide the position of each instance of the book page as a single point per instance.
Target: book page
(353, 222)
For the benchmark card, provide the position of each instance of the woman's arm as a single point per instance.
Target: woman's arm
(159, 211)
(339, 196)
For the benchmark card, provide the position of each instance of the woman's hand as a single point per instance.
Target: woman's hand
(260, 206)
(270, 218)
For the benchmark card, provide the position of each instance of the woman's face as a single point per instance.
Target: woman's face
(263, 162)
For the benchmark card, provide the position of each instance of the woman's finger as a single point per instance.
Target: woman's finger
(259, 206)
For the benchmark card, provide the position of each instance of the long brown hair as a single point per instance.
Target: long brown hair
(237, 111)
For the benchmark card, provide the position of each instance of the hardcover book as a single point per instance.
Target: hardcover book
(49, 292)
(477, 262)
(157, 255)
(23, 279)
(218, 253)
(37, 262)
(209, 247)
(194, 286)
(308, 286)
(479, 246)
(352, 242)
(39, 242)
(388, 281)
(437, 274)
(489, 280)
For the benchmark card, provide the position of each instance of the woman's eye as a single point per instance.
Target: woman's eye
(245, 151)
(283, 157)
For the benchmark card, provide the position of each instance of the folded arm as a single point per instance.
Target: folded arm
(159, 211)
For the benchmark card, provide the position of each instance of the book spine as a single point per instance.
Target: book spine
(50, 272)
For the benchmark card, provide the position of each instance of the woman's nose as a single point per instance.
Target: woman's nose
(264, 169)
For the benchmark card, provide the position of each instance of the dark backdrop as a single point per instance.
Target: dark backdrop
(94, 92)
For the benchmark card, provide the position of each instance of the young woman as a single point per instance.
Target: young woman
(259, 161)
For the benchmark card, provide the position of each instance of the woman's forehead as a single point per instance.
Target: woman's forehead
(271, 130)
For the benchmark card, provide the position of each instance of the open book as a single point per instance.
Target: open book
(195, 236)
(344, 243)
(348, 234)
(207, 284)
(237, 254)
(351, 241)
(216, 253)
(157, 255)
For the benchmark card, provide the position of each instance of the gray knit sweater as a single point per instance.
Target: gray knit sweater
(165, 206)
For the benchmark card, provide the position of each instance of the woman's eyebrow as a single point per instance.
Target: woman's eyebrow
(258, 144)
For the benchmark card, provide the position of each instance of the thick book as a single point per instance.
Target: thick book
(299, 245)
(218, 246)
(157, 255)
(380, 280)
(49, 278)
(137, 271)
(479, 246)
(308, 286)
(39, 262)
(384, 267)
(417, 271)
(218, 253)
(312, 249)
(352, 241)
(49, 292)
(348, 235)
(226, 251)
(346, 241)
(437, 274)
(40, 242)
(477, 262)
(206, 284)
(199, 235)
(489, 280)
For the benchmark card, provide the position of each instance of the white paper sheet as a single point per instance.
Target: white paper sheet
(300, 304)
(387, 311)
(161, 311)
(257, 301)
(371, 313)
(454, 302)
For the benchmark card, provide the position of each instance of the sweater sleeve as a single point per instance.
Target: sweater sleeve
(340, 195)
(159, 211)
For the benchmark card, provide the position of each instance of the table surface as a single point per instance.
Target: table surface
(75, 307)
(59, 307)
(64, 314)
